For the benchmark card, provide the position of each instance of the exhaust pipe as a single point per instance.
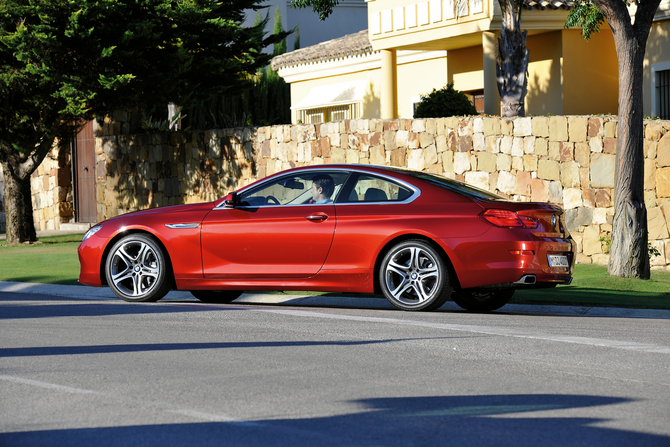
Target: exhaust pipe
(526, 280)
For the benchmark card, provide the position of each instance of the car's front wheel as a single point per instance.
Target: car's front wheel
(413, 276)
(137, 270)
(216, 296)
(478, 301)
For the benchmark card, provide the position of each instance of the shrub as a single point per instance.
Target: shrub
(444, 102)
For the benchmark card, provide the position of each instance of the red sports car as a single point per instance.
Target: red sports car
(418, 238)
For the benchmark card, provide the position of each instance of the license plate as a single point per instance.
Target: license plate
(558, 261)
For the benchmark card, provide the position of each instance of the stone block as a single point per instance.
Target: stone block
(595, 127)
(591, 243)
(596, 144)
(577, 217)
(609, 145)
(570, 174)
(567, 151)
(461, 162)
(650, 149)
(602, 170)
(415, 160)
(522, 183)
(577, 128)
(491, 126)
(583, 154)
(397, 157)
(656, 224)
(426, 139)
(479, 142)
(518, 147)
(653, 131)
(465, 143)
(555, 192)
(522, 127)
(663, 182)
(663, 151)
(402, 138)
(548, 170)
(441, 143)
(558, 128)
(541, 147)
(555, 150)
(540, 126)
(504, 162)
(572, 198)
(610, 129)
(506, 182)
(492, 144)
(506, 144)
(517, 163)
(448, 161)
(478, 179)
(530, 163)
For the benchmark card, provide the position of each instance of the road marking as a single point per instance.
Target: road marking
(50, 386)
(210, 417)
(490, 330)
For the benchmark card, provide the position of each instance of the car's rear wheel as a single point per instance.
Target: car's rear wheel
(478, 301)
(216, 296)
(413, 276)
(137, 270)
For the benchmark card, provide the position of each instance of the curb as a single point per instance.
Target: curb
(105, 293)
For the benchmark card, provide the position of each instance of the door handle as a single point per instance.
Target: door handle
(317, 217)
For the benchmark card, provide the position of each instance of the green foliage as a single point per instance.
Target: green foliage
(323, 8)
(586, 15)
(280, 47)
(151, 126)
(444, 102)
(607, 239)
(62, 63)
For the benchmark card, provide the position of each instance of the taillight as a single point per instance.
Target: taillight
(509, 219)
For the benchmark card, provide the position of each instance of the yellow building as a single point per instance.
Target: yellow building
(414, 46)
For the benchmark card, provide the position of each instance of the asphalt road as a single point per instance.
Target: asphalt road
(81, 369)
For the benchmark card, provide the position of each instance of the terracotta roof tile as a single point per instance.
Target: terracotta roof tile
(349, 45)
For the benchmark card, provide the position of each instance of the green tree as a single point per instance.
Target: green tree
(279, 47)
(629, 256)
(64, 62)
(444, 102)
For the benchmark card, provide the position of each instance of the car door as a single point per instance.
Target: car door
(272, 232)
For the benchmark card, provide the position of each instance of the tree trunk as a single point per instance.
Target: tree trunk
(18, 208)
(511, 67)
(629, 254)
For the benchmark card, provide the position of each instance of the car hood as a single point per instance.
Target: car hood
(166, 210)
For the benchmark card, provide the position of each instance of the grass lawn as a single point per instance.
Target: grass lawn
(54, 261)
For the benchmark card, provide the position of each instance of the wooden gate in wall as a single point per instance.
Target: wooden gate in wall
(83, 158)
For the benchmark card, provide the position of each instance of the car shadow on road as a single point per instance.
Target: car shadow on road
(491, 420)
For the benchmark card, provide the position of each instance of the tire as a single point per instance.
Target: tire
(216, 296)
(413, 276)
(137, 270)
(482, 301)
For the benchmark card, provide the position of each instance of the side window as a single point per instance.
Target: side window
(370, 188)
(295, 189)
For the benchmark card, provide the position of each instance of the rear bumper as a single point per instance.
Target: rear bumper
(511, 264)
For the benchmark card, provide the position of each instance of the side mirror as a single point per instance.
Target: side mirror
(231, 200)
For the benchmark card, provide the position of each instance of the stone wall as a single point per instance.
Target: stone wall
(51, 185)
(564, 160)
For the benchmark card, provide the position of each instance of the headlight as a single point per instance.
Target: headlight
(91, 232)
